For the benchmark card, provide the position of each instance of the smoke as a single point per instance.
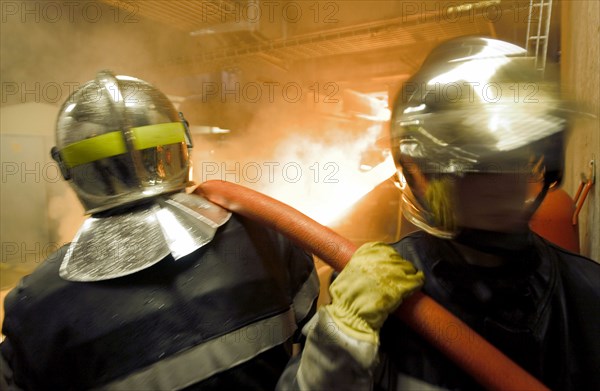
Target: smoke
(305, 152)
(48, 49)
(309, 160)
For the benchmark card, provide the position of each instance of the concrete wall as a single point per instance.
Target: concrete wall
(580, 70)
(39, 211)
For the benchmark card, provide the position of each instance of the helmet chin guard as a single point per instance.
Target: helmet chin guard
(117, 245)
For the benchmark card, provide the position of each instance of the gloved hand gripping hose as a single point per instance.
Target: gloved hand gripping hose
(486, 364)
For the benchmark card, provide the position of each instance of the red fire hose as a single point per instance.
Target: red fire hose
(486, 364)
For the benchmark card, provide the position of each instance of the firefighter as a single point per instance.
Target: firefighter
(477, 138)
(160, 289)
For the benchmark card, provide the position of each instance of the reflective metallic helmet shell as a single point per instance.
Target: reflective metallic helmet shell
(120, 140)
(476, 105)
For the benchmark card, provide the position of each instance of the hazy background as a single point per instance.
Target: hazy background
(303, 89)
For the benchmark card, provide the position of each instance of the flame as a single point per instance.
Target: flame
(331, 180)
(308, 161)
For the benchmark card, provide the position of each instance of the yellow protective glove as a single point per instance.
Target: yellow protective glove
(371, 286)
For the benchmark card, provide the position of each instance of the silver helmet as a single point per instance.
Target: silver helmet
(119, 140)
(125, 150)
(476, 105)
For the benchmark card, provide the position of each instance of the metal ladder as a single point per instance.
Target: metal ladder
(538, 28)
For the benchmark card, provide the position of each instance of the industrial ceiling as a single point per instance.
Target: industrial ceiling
(178, 45)
(385, 38)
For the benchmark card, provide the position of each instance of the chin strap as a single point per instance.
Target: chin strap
(486, 364)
